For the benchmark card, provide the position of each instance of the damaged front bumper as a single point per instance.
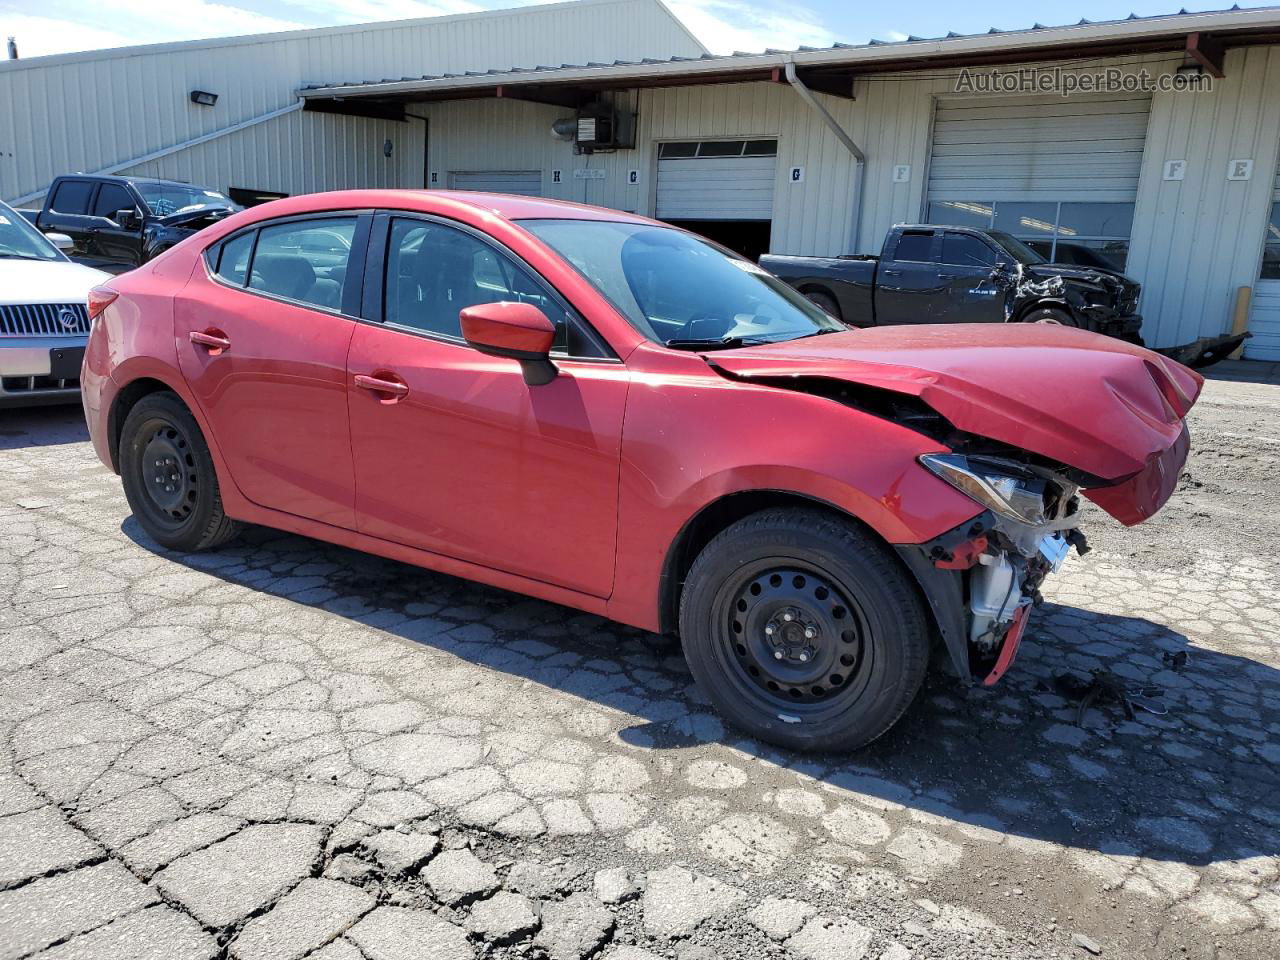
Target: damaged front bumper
(982, 586)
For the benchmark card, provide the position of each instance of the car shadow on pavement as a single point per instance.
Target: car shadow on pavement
(41, 427)
(1012, 765)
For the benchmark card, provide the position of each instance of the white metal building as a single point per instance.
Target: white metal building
(807, 152)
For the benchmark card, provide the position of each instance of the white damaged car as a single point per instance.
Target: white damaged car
(44, 317)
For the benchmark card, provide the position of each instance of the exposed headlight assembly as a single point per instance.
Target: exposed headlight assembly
(1007, 488)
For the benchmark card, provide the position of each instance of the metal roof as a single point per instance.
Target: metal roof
(1085, 38)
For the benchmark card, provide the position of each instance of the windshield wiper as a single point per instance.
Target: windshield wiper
(715, 343)
(707, 343)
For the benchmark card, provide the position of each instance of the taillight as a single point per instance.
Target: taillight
(99, 299)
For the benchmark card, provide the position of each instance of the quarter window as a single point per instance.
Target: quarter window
(233, 258)
(435, 271)
(72, 196)
(303, 260)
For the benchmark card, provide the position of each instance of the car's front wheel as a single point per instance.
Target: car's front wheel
(804, 630)
(169, 478)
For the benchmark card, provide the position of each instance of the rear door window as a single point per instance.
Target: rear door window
(916, 246)
(72, 196)
(303, 260)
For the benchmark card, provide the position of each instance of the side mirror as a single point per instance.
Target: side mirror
(519, 331)
(61, 241)
(126, 219)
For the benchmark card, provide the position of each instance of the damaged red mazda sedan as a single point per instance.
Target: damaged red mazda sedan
(609, 413)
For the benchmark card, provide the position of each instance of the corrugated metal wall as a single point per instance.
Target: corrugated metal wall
(1194, 241)
(83, 112)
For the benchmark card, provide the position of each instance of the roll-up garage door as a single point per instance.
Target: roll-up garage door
(716, 180)
(525, 183)
(1038, 148)
(1264, 319)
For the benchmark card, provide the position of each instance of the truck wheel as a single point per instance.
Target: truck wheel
(1050, 315)
(803, 630)
(169, 478)
(825, 302)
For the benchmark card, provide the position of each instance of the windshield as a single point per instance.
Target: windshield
(19, 240)
(165, 199)
(1016, 248)
(680, 290)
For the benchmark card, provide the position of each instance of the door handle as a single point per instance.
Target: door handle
(215, 341)
(892, 273)
(394, 391)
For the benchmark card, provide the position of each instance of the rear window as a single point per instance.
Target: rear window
(72, 196)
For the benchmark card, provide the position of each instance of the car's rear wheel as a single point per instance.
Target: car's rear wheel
(804, 630)
(169, 478)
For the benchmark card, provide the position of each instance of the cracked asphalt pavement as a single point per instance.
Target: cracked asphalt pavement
(284, 749)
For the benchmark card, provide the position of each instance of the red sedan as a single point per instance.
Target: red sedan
(613, 414)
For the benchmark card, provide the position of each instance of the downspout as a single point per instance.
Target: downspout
(859, 158)
(166, 151)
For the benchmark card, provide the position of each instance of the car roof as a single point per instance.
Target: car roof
(512, 207)
(167, 183)
(506, 206)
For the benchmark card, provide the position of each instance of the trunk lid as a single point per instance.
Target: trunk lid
(1108, 408)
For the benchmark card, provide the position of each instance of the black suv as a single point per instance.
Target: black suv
(117, 223)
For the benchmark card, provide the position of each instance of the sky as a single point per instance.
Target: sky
(60, 26)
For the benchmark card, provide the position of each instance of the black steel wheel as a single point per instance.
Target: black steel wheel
(804, 630)
(169, 477)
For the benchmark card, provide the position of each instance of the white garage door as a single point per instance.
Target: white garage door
(1038, 148)
(1061, 174)
(1264, 320)
(525, 183)
(716, 179)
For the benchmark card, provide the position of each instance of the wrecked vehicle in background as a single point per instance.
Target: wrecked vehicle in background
(118, 223)
(613, 414)
(942, 274)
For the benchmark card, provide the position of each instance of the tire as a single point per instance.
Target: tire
(1050, 315)
(835, 691)
(169, 478)
(825, 302)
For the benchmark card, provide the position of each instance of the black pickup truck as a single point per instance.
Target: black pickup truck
(118, 223)
(944, 274)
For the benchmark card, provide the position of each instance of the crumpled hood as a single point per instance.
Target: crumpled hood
(1100, 405)
(1095, 275)
(210, 213)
